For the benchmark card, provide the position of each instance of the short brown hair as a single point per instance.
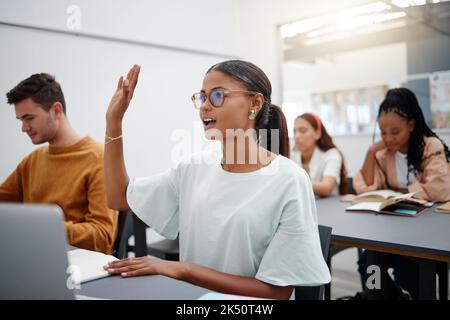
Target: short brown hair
(42, 88)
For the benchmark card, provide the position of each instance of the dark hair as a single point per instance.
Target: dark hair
(42, 88)
(280, 122)
(403, 102)
(326, 143)
(270, 117)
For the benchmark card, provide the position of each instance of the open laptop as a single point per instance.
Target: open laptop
(33, 258)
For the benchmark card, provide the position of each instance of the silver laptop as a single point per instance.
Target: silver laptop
(33, 258)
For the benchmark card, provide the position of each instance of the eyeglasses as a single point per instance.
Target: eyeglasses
(216, 96)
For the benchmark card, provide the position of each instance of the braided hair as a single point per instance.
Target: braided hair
(404, 103)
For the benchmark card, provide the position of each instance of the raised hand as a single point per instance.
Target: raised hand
(123, 95)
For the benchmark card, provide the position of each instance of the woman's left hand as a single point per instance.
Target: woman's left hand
(132, 267)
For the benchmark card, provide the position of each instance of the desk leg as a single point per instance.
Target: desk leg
(442, 271)
(328, 285)
(427, 280)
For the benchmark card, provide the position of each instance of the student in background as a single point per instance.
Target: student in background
(410, 158)
(318, 155)
(68, 172)
(246, 217)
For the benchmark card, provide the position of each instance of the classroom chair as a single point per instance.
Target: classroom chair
(165, 249)
(335, 249)
(124, 232)
(316, 292)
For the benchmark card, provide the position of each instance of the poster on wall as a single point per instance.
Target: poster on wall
(440, 99)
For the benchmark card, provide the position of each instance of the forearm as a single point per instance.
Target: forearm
(435, 189)
(116, 177)
(9, 195)
(323, 188)
(90, 236)
(368, 168)
(10, 189)
(227, 283)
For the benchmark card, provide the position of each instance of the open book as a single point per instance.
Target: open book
(375, 196)
(388, 203)
(86, 265)
(383, 195)
(444, 208)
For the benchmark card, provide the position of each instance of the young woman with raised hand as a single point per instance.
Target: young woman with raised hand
(246, 216)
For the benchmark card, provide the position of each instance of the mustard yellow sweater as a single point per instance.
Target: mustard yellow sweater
(71, 177)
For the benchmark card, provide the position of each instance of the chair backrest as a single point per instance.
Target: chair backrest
(350, 190)
(316, 292)
(125, 231)
(140, 236)
(164, 249)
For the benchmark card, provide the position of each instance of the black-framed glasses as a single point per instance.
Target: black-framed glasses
(216, 96)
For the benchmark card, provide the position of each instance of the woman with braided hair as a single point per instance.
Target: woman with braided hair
(409, 158)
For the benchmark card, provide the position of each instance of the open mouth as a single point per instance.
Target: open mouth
(208, 122)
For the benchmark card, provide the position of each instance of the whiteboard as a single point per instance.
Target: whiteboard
(87, 69)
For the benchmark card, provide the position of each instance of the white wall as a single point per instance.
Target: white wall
(207, 25)
(88, 69)
(259, 20)
(361, 68)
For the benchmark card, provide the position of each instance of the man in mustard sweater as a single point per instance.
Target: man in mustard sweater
(68, 172)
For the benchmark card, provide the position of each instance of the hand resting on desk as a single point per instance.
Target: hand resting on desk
(132, 267)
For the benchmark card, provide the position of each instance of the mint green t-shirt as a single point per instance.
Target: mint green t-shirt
(260, 224)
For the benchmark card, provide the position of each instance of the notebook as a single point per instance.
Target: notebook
(444, 208)
(86, 265)
(383, 195)
(375, 196)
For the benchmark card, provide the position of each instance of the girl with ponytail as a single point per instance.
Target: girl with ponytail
(246, 216)
(319, 156)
